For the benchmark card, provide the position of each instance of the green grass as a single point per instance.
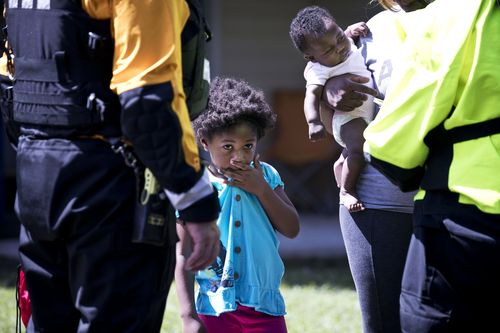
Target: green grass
(319, 295)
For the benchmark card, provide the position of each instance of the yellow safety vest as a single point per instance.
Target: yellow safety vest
(439, 126)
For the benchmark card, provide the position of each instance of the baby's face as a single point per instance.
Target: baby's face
(330, 48)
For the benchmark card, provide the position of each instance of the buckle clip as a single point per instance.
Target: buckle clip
(96, 45)
(96, 106)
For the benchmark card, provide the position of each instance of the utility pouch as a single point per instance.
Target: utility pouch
(154, 220)
(154, 216)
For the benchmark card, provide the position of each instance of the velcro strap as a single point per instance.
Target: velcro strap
(73, 116)
(41, 70)
(46, 99)
(82, 118)
(55, 70)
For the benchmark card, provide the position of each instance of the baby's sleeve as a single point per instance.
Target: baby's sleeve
(315, 75)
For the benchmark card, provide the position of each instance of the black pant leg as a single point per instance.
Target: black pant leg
(452, 269)
(78, 234)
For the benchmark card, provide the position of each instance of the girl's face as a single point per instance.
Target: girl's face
(329, 49)
(235, 146)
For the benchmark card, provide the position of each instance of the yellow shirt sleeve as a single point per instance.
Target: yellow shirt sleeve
(146, 34)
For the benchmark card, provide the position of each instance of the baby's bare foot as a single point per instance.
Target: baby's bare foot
(350, 201)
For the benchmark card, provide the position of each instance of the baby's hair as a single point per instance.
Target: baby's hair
(310, 21)
(233, 101)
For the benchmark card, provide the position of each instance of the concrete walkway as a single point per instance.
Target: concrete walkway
(319, 237)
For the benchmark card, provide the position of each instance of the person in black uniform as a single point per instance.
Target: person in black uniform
(92, 80)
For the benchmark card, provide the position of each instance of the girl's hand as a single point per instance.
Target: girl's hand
(192, 324)
(250, 179)
(280, 210)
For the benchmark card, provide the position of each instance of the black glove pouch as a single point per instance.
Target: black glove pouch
(154, 222)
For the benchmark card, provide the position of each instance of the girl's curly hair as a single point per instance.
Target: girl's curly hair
(233, 101)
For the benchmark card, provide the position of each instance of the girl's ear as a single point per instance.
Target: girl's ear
(204, 143)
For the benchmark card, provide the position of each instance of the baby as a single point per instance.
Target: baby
(331, 52)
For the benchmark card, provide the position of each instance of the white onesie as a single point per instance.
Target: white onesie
(318, 74)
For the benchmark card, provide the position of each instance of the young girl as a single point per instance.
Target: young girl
(240, 290)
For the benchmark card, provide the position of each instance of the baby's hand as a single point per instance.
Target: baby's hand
(317, 132)
(356, 30)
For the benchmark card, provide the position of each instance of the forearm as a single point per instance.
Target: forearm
(184, 284)
(311, 104)
(280, 211)
(156, 132)
(184, 279)
(161, 141)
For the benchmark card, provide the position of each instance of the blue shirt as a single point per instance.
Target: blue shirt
(248, 269)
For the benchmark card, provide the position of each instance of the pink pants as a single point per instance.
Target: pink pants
(244, 320)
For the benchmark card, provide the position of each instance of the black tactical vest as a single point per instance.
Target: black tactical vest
(63, 65)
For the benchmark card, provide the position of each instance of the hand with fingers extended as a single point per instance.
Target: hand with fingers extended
(205, 244)
(347, 92)
(247, 177)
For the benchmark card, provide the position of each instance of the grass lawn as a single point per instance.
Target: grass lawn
(319, 295)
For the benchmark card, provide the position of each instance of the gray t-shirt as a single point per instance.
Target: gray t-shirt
(377, 192)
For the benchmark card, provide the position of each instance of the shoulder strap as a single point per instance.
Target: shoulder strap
(195, 67)
(440, 136)
(196, 22)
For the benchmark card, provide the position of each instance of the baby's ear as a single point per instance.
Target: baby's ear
(308, 57)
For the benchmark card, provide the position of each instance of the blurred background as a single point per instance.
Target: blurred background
(251, 41)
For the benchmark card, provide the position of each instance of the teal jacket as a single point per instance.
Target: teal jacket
(248, 270)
